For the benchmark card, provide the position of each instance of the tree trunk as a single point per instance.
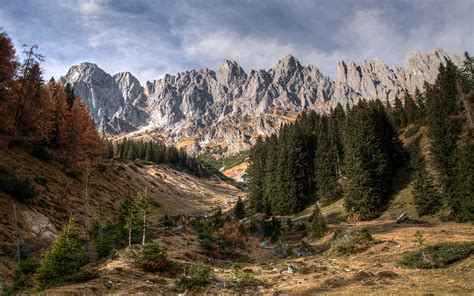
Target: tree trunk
(144, 226)
(17, 234)
(130, 236)
(87, 212)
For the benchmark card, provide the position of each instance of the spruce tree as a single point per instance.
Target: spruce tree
(411, 109)
(64, 259)
(461, 200)
(426, 198)
(326, 159)
(318, 223)
(444, 123)
(270, 185)
(370, 159)
(239, 209)
(142, 208)
(256, 175)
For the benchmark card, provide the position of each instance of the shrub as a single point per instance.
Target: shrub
(152, 257)
(239, 209)
(300, 227)
(20, 189)
(41, 181)
(63, 261)
(73, 174)
(26, 269)
(271, 228)
(197, 275)
(101, 167)
(411, 131)
(437, 255)
(351, 242)
(39, 151)
(244, 279)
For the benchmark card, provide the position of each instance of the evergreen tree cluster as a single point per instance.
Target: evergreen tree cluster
(155, 152)
(355, 153)
(449, 105)
(304, 160)
(352, 154)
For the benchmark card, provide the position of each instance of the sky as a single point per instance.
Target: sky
(151, 38)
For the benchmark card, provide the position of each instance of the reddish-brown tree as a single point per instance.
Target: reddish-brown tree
(8, 68)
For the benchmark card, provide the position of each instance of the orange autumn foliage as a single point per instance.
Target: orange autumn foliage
(34, 114)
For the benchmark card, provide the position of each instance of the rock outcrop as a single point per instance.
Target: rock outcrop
(229, 107)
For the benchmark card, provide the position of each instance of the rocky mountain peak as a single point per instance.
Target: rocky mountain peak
(285, 68)
(229, 72)
(231, 108)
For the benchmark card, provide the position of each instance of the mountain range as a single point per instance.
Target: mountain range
(200, 109)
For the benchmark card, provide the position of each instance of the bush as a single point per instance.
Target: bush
(438, 255)
(22, 278)
(352, 242)
(20, 189)
(300, 227)
(152, 257)
(239, 209)
(41, 181)
(63, 261)
(412, 130)
(39, 151)
(197, 275)
(271, 228)
(73, 174)
(244, 279)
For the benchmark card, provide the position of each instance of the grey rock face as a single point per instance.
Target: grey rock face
(113, 102)
(375, 80)
(230, 107)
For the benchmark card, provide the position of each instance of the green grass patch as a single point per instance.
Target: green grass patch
(437, 255)
(412, 130)
(225, 163)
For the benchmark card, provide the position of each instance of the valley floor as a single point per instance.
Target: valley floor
(373, 271)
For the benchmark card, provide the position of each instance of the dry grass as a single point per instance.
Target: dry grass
(374, 271)
(172, 192)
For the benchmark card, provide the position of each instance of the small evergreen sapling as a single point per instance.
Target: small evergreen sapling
(63, 260)
(239, 210)
(318, 223)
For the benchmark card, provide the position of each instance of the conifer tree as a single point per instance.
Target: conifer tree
(256, 174)
(270, 176)
(65, 258)
(326, 159)
(370, 159)
(8, 68)
(426, 198)
(239, 209)
(411, 109)
(318, 223)
(142, 208)
(444, 123)
(461, 200)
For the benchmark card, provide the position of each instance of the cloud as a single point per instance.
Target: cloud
(151, 38)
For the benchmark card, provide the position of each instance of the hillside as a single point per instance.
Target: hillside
(61, 196)
(372, 271)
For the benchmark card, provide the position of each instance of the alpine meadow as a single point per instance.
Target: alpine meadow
(346, 171)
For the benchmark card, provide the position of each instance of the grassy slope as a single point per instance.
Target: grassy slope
(353, 274)
(172, 191)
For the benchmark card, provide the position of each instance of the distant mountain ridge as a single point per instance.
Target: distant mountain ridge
(229, 107)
